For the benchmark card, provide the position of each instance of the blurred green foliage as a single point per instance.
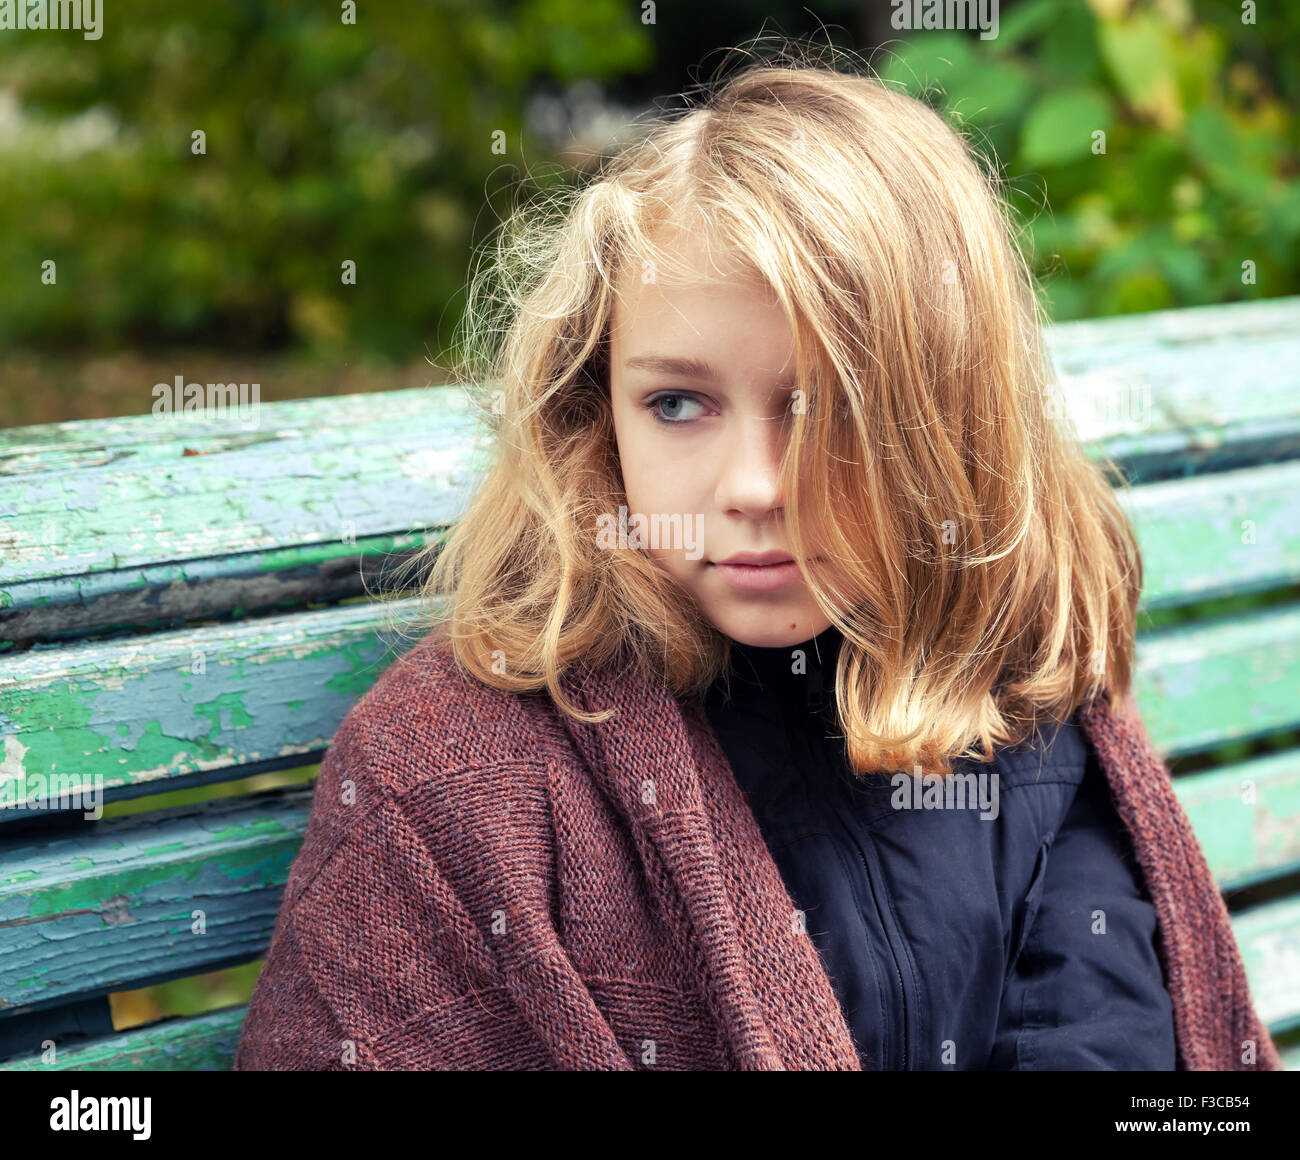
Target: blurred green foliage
(325, 142)
(390, 142)
(1198, 114)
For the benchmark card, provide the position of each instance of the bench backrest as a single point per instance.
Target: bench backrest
(187, 600)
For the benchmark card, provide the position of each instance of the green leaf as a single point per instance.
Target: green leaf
(1068, 52)
(1137, 51)
(1025, 20)
(1218, 149)
(1059, 128)
(943, 59)
(992, 93)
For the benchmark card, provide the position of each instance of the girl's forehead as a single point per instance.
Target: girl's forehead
(690, 308)
(689, 273)
(686, 258)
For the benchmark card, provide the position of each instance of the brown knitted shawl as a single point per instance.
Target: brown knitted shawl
(485, 883)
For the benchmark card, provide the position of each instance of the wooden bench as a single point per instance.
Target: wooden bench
(185, 601)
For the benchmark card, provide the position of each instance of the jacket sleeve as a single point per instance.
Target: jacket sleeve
(1087, 990)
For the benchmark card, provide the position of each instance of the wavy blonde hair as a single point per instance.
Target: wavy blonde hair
(975, 560)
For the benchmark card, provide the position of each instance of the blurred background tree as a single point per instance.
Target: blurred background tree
(380, 143)
(1200, 143)
(398, 141)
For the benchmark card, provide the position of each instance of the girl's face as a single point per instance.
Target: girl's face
(701, 377)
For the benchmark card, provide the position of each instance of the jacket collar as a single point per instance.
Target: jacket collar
(721, 893)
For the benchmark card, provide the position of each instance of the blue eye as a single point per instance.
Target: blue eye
(653, 407)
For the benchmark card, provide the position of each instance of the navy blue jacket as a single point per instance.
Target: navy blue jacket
(953, 941)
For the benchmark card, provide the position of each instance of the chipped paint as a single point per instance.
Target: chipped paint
(133, 712)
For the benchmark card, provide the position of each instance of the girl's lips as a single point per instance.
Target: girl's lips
(758, 577)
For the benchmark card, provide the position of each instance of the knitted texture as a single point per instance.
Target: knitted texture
(1215, 1025)
(485, 883)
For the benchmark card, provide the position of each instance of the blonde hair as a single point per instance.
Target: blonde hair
(975, 560)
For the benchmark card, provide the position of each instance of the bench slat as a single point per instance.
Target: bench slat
(133, 712)
(74, 706)
(1194, 534)
(1246, 817)
(1201, 685)
(112, 910)
(1269, 938)
(168, 595)
(1173, 392)
(111, 523)
(204, 1042)
(1215, 535)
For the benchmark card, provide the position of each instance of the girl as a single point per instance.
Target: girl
(781, 715)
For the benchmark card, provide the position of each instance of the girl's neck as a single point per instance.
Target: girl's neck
(777, 666)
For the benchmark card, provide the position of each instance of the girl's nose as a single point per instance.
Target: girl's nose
(748, 479)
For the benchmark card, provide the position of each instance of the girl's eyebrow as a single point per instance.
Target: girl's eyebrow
(687, 367)
(691, 368)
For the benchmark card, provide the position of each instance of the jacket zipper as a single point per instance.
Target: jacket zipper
(887, 926)
(831, 757)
